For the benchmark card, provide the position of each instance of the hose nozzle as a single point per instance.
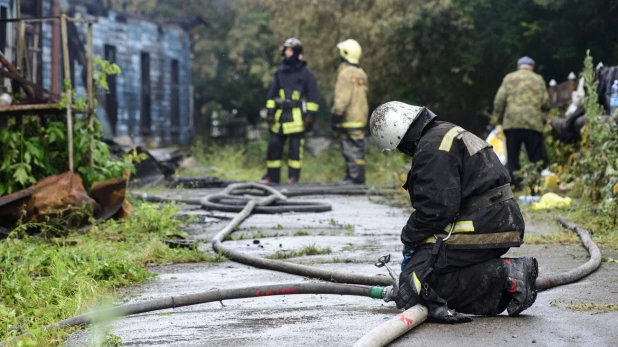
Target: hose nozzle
(383, 261)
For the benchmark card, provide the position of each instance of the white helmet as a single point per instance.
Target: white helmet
(350, 50)
(390, 122)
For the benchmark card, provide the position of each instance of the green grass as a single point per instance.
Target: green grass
(249, 164)
(253, 234)
(311, 249)
(565, 237)
(600, 224)
(301, 233)
(44, 280)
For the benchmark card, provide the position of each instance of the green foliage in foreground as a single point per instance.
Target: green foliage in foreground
(32, 148)
(46, 280)
(32, 151)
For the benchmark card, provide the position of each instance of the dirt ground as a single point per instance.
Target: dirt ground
(358, 231)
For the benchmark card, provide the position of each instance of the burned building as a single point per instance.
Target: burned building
(151, 100)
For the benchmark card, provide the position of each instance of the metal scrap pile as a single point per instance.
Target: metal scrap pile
(61, 195)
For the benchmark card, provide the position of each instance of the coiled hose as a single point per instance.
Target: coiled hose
(277, 265)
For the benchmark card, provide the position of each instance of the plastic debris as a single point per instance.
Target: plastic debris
(552, 181)
(551, 200)
(498, 141)
(525, 200)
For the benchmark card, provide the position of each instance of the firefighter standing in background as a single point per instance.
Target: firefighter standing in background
(350, 111)
(292, 103)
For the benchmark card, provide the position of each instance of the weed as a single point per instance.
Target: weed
(258, 233)
(562, 238)
(308, 250)
(344, 261)
(591, 306)
(600, 224)
(301, 233)
(348, 227)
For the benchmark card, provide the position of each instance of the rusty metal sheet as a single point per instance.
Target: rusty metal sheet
(53, 196)
(63, 194)
(110, 194)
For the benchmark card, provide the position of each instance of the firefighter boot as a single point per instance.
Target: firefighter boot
(520, 283)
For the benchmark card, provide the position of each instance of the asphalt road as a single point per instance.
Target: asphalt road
(357, 231)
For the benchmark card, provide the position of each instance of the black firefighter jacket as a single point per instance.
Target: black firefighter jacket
(292, 86)
(450, 166)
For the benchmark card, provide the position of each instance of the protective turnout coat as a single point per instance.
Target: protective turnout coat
(351, 97)
(450, 169)
(293, 86)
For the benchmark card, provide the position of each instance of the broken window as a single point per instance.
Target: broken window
(145, 116)
(175, 99)
(3, 15)
(111, 98)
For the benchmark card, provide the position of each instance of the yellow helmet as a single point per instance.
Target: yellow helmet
(350, 50)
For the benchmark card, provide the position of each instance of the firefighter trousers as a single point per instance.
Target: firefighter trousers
(471, 281)
(275, 152)
(353, 150)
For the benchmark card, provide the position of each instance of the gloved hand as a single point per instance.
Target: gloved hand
(270, 119)
(438, 311)
(335, 121)
(407, 255)
(406, 295)
(443, 315)
(308, 123)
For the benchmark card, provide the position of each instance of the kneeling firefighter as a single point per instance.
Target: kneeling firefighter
(465, 219)
(291, 105)
(350, 111)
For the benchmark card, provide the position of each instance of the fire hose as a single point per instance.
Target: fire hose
(409, 319)
(368, 286)
(402, 323)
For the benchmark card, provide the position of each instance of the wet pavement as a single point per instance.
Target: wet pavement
(357, 232)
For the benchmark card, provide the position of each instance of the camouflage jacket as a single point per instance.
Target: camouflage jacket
(351, 97)
(521, 101)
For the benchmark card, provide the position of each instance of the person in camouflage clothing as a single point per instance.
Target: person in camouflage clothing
(519, 106)
(350, 111)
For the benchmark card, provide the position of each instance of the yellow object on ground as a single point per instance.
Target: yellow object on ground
(551, 200)
(551, 182)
